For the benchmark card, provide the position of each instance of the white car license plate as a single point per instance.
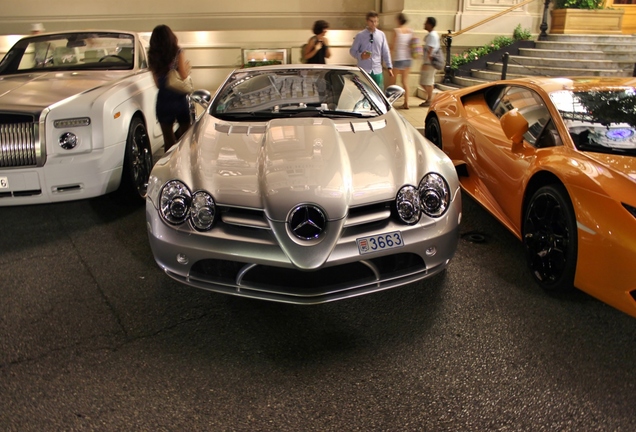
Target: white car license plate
(4, 183)
(379, 242)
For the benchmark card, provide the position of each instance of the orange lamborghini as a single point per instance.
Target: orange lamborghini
(554, 160)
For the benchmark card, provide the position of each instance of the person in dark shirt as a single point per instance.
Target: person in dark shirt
(317, 50)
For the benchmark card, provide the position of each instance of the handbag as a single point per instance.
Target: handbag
(175, 83)
(437, 59)
(416, 48)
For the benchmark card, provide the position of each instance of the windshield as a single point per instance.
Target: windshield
(281, 93)
(70, 51)
(602, 120)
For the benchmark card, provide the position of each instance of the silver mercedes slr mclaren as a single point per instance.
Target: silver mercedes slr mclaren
(301, 184)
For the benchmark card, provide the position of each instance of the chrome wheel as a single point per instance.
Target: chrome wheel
(550, 237)
(137, 162)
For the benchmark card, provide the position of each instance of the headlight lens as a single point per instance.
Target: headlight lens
(175, 202)
(202, 211)
(68, 141)
(434, 195)
(407, 203)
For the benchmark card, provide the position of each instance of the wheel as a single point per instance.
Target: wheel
(550, 238)
(137, 163)
(120, 58)
(432, 131)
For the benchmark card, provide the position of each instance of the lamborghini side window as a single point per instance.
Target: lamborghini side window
(493, 95)
(530, 106)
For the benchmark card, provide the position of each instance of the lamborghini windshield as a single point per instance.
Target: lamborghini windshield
(303, 92)
(70, 51)
(600, 120)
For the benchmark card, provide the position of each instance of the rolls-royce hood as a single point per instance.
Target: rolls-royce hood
(35, 91)
(333, 164)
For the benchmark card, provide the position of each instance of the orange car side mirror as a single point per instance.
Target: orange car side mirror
(514, 126)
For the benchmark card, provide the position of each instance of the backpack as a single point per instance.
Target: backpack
(437, 59)
(416, 48)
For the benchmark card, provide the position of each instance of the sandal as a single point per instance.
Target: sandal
(404, 107)
(425, 104)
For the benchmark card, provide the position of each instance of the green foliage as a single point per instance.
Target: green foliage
(579, 4)
(475, 53)
(251, 64)
(521, 34)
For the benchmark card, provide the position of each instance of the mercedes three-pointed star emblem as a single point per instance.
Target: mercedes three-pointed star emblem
(307, 222)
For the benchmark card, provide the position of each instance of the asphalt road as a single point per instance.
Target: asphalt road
(93, 336)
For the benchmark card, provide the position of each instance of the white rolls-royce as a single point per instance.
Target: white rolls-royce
(77, 117)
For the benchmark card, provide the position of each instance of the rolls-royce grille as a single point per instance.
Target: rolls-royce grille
(18, 145)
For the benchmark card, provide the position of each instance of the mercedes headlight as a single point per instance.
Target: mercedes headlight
(434, 195)
(202, 211)
(407, 203)
(175, 201)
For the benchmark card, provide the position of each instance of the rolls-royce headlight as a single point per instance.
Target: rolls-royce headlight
(407, 203)
(68, 141)
(434, 195)
(202, 211)
(175, 201)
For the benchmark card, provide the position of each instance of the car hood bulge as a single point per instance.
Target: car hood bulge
(625, 165)
(33, 92)
(294, 161)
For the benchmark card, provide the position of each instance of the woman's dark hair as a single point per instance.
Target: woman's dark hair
(320, 26)
(163, 49)
(401, 18)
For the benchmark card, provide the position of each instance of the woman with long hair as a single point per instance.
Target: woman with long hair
(317, 47)
(164, 55)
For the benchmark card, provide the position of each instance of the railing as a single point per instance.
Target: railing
(448, 38)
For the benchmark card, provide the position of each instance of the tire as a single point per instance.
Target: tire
(433, 131)
(550, 238)
(137, 163)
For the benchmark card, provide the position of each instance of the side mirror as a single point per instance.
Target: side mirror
(514, 126)
(393, 93)
(202, 97)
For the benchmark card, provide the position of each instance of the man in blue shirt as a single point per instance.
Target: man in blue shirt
(370, 48)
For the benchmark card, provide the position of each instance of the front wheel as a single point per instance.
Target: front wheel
(433, 131)
(550, 237)
(137, 163)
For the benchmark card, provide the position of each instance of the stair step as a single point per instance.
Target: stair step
(492, 75)
(585, 46)
(514, 69)
(609, 39)
(571, 63)
(620, 57)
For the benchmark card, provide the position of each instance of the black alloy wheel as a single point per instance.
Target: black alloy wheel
(137, 162)
(432, 131)
(550, 238)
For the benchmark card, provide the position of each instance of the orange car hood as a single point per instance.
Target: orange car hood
(625, 165)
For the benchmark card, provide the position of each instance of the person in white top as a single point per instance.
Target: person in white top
(427, 75)
(401, 47)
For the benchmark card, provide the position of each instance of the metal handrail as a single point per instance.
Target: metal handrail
(448, 38)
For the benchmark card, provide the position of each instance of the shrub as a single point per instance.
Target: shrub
(475, 53)
(521, 34)
(579, 4)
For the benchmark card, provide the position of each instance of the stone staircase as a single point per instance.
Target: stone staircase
(562, 55)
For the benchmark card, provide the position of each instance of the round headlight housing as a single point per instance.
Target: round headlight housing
(202, 211)
(175, 201)
(434, 195)
(68, 141)
(407, 204)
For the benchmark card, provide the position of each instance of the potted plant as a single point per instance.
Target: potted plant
(585, 17)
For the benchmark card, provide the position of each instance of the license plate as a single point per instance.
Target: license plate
(380, 242)
(4, 183)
